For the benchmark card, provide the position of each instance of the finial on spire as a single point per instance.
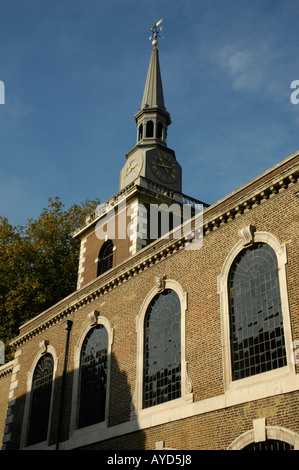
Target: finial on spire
(156, 33)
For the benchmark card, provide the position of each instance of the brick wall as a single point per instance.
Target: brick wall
(211, 431)
(120, 303)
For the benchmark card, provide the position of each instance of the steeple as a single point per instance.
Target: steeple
(153, 91)
(150, 158)
(153, 119)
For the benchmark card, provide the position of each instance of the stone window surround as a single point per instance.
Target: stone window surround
(45, 347)
(174, 410)
(260, 432)
(248, 237)
(137, 411)
(94, 318)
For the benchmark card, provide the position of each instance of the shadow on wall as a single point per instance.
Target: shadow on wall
(62, 427)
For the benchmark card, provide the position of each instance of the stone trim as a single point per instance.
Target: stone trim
(261, 432)
(93, 319)
(81, 262)
(178, 412)
(160, 446)
(44, 347)
(14, 369)
(161, 283)
(6, 369)
(281, 255)
(137, 232)
(163, 249)
(139, 185)
(250, 200)
(114, 281)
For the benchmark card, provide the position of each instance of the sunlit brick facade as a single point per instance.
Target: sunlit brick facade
(194, 400)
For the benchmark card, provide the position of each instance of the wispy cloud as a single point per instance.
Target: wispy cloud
(249, 69)
(259, 68)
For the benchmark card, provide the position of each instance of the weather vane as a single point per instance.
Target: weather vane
(156, 33)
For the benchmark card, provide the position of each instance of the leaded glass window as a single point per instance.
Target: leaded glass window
(93, 377)
(256, 324)
(105, 257)
(162, 350)
(40, 400)
(270, 444)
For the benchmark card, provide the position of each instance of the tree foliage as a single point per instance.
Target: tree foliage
(38, 264)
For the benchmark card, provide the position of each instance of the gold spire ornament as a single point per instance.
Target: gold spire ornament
(156, 33)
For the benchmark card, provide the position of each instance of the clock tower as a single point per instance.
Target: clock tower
(151, 158)
(150, 203)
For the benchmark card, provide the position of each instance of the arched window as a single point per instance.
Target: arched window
(162, 349)
(269, 445)
(40, 400)
(256, 325)
(93, 377)
(140, 133)
(105, 257)
(160, 130)
(265, 437)
(149, 129)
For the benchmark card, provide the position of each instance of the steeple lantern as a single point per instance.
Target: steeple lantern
(153, 119)
(151, 158)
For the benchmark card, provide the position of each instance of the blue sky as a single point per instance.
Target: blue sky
(74, 74)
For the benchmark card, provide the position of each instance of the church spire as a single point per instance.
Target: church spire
(153, 119)
(153, 91)
(150, 160)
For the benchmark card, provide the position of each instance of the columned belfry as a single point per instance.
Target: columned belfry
(153, 119)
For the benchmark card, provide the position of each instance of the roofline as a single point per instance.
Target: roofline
(161, 249)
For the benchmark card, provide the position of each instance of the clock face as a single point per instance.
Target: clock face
(131, 169)
(164, 167)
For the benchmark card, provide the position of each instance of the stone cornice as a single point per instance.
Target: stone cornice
(214, 217)
(140, 185)
(6, 369)
(241, 203)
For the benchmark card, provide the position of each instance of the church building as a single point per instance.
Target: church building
(183, 332)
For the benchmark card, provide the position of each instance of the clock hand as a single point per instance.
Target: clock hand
(163, 165)
(129, 169)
